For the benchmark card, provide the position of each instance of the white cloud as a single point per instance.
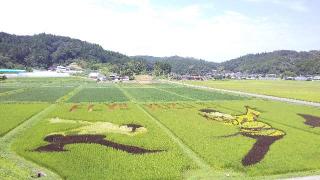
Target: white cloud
(295, 5)
(145, 29)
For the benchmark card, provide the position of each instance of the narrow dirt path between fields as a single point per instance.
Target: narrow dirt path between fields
(294, 177)
(205, 171)
(6, 141)
(170, 92)
(274, 98)
(69, 95)
(191, 154)
(199, 161)
(16, 91)
(23, 164)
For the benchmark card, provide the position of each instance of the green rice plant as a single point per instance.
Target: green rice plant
(11, 115)
(8, 170)
(153, 95)
(287, 114)
(133, 85)
(92, 161)
(41, 94)
(174, 107)
(11, 92)
(44, 82)
(6, 89)
(304, 90)
(204, 95)
(151, 85)
(166, 85)
(100, 85)
(220, 145)
(99, 95)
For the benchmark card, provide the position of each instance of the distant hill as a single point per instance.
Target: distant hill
(182, 65)
(277, 62)
(45, 50)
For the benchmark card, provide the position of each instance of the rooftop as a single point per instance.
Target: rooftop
(11, 71)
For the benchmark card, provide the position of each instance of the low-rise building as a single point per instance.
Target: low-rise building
(125, 78)
(62, 69)
(113, 76)
(289, 78)
(11, 73)
(301, 78)
(316, 78)
(94, 75)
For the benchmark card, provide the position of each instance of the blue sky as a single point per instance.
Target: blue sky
(207, 29)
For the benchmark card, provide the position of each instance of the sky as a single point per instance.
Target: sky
(214, 30)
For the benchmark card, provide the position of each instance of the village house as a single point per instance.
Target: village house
(316, 78)
(94, 75)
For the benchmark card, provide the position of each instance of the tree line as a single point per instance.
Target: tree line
(284, 62)
(45, 50)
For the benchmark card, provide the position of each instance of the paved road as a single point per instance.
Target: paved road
(294, 101)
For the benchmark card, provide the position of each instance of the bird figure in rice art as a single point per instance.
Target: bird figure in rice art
(249, 126)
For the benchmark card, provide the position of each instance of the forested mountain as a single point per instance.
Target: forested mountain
(45, 50)
(182, 65)
(277, 62)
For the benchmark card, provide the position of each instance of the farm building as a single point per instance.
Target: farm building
(94, 75)
(316, 78)
(11, 72)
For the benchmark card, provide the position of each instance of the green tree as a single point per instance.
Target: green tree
(137, 67)
(161, 69)
(288, 74)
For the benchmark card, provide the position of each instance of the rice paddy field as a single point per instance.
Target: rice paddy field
(103, 94)
(12, 115)
(3, 90)
(74, 128)
(302, 90)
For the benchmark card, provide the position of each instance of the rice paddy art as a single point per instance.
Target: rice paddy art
(156, 131)
(310, 120)
(92, 133)
(251, 127)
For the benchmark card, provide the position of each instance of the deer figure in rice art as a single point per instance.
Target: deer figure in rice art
(249, 126)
